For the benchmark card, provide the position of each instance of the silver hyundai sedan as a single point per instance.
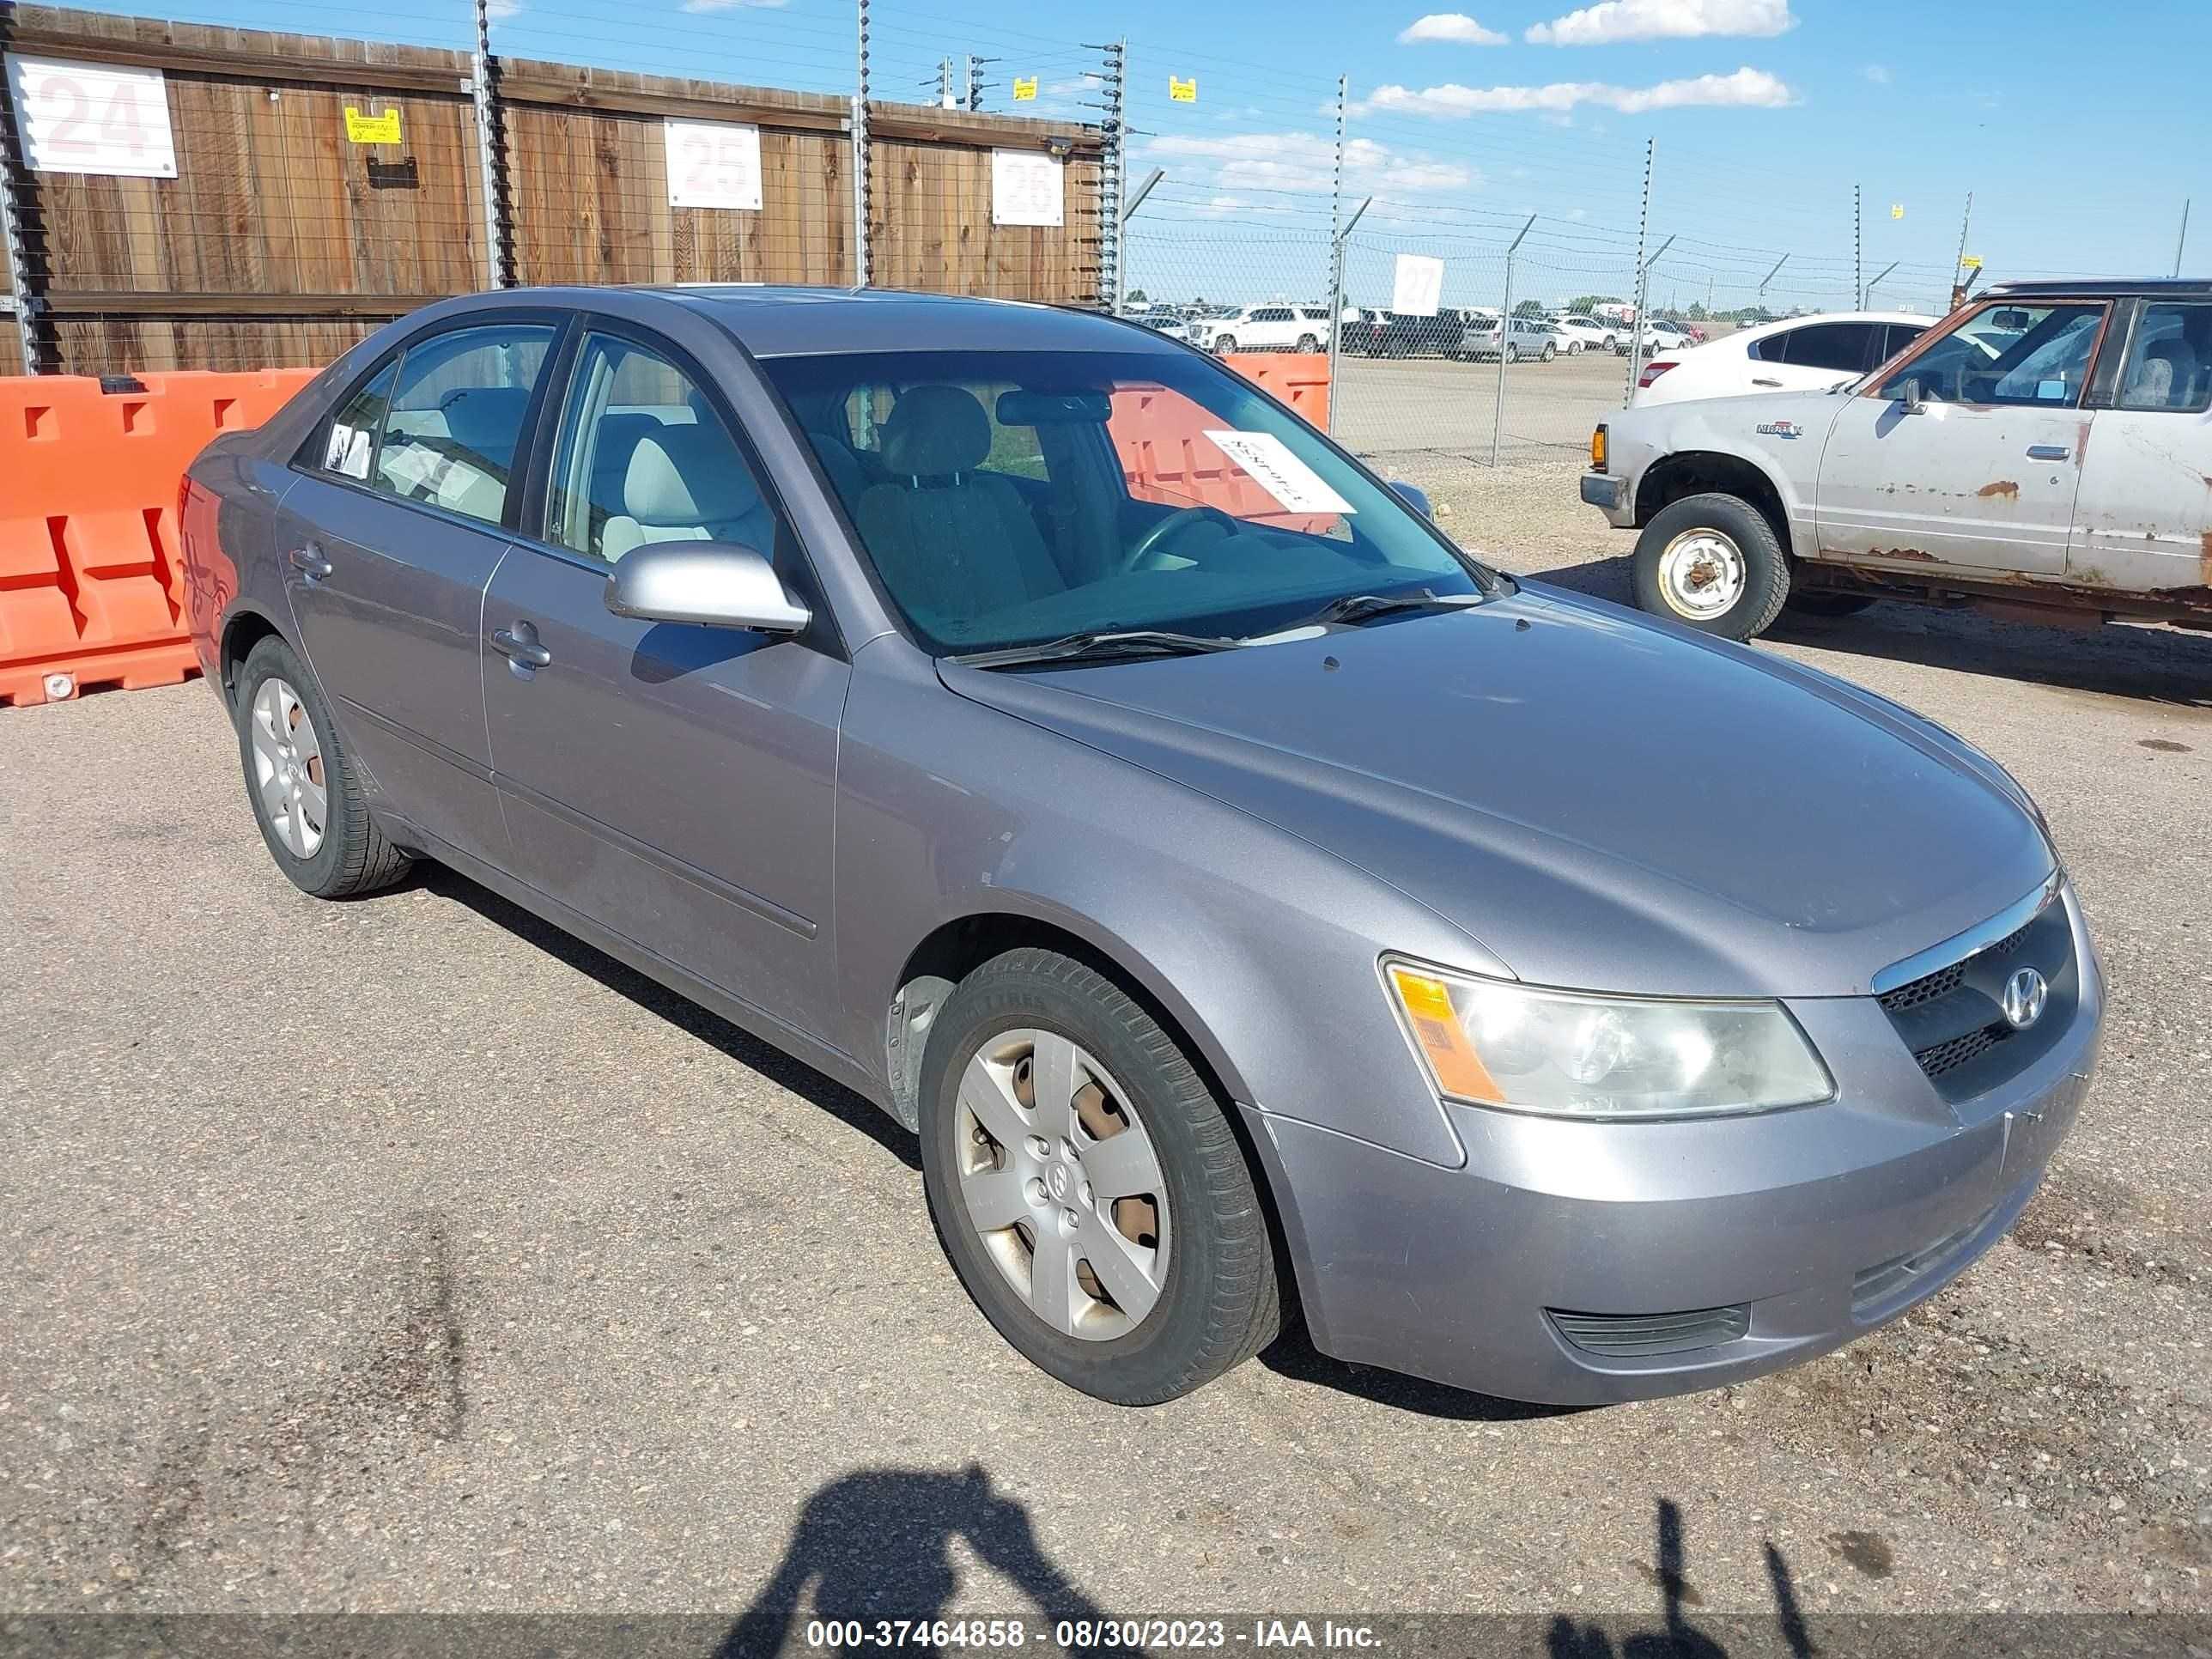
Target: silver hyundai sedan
(1256, 905)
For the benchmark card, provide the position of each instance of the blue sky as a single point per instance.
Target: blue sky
(1765, 113)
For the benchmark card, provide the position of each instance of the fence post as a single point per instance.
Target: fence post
(491, 149)
(1336, 251)
(1342, 240)
(1636, 323)
(1504, 339)
(1858, 256)
(860, 155)
(1111, 275)
(25, 304)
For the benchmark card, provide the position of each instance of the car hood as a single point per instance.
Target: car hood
(1595, 797)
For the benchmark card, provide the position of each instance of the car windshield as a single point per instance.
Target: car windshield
(1008, 498)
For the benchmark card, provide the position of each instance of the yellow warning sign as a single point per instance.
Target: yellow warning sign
(372, 129)
(1183, 92)
(1897, 210)
(1025, 88)
(1973, 261)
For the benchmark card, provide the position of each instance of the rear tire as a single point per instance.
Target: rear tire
(1023, 1227)
(1711, 563)
(302, 783)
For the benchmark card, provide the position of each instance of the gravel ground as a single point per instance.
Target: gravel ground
(404, 1254)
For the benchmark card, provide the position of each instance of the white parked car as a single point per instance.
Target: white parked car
(1801, 354)
(1579, 333)
(1276, 326)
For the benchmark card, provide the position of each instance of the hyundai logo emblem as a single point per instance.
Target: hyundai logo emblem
(2024, 994)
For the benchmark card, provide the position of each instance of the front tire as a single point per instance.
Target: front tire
(1086, 1186)
(302, 782)
(1574, 347)
(1713, 563)
(1549, 353)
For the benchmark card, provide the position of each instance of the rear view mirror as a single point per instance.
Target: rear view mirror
(716, 584)
(1019, 408)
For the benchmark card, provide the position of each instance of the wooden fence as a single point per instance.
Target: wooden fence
(279, 241)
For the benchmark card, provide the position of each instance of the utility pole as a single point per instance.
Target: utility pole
(1769, 277)
(972, 84)
(859, 124)
(1636, 323)
(2181, 246)
(485, 89)
(944, 83)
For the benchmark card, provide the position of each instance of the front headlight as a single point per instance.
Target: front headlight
(1564, 1053)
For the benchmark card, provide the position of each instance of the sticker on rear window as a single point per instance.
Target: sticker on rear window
(1270, 464)
(348, 454)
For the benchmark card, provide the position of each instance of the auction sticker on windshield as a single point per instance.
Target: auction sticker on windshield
(1267, 459)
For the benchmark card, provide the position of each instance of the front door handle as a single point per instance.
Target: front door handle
(519, 644)
(1756, 381)
(309, 561)
(2048, 452)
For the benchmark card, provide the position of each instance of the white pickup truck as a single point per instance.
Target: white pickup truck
(2044, 452)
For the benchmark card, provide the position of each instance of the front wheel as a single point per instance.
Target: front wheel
(1512, 353)
(1549, 353)
(1223, 344)
(1713, 563)
(1086, 1185)
(1574, 347)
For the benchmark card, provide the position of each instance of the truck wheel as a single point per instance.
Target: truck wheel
(1711, 563)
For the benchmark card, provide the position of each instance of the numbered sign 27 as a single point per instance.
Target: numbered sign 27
(714, 164)
(91, 117)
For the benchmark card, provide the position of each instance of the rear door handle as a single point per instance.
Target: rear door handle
(309, 561)
(520, 644)
(1764, 382)
(2048, 452)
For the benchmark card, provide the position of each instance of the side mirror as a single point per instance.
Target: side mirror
(1413, 495)
(1915, 399)
(717, 584)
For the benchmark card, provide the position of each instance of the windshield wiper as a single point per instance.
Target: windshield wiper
(1128, 642)
(1358, 607)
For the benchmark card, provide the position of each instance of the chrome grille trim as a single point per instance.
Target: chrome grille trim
(1970, 943)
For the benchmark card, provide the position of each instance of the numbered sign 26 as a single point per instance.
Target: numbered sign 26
(91, 117)
(714, 164)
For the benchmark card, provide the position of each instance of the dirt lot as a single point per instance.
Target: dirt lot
(403, 1254)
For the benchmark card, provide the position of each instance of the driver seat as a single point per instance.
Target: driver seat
(951, 540)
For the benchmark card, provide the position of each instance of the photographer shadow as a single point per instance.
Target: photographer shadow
(877, 1545)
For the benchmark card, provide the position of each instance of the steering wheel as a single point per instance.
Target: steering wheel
(1174, 525)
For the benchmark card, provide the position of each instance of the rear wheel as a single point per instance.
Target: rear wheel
(1712, 561)
(1574, 347)
(1308, 343)
(1512, 352)
(1550, 352)
(1086, 1185)
(307, 795)
(1223, 344)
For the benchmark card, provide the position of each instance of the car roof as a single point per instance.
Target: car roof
(1781, 323)
(774, 320)
(2104, 288)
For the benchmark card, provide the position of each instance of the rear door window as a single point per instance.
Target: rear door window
(455, 416)
(1843, 347)
(2169, 364)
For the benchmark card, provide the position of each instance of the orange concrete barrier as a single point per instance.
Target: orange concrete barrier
(1160, 437)
(91, 583)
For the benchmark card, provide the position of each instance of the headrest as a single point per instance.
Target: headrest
(487, 420)
(934, 430)
(687, 475)
(616, 442)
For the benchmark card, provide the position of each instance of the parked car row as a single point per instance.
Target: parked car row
(2043, 451)
(1125, 837)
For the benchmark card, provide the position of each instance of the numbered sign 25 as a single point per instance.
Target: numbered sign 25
(714, 164)
(91, 117)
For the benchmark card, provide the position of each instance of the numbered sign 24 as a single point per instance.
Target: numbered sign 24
(91, 117)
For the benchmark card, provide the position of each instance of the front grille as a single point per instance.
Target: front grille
(1623, 1336)
(1941, 983)
(1873, 1286)
(1960, 1050)
(1952, 1020)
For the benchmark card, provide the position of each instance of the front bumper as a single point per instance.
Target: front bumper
(1608, 492)
(1797, 1231)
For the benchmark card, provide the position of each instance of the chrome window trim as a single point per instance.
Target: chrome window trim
(1970, 943)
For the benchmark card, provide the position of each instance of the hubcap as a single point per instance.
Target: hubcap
(1062, 1184)
(1701, 575)
(288, 767)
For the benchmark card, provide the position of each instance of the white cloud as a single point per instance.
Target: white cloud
(1748, 87)
(731, 5)
(499, 11)
(1453, 26)
(1663, 19)
(1877, 73)
(1304, 162)
(1219, 206)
